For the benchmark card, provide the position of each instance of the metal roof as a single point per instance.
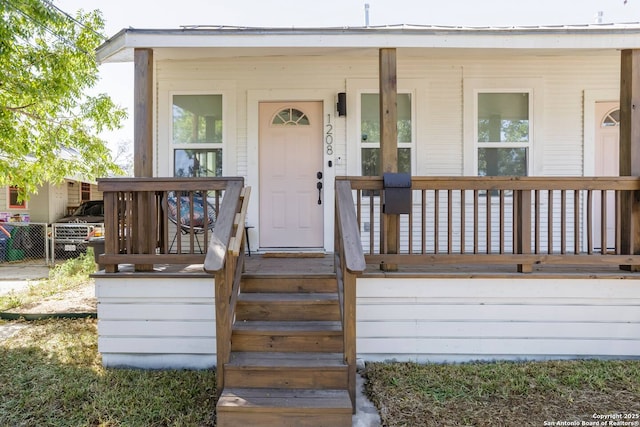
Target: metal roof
(544, 37)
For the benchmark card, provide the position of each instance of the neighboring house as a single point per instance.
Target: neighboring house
(287, 109)
(51, 202)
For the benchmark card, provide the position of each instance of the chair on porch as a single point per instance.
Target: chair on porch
(180, 214)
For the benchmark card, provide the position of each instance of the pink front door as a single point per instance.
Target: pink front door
(290, 141)
(607, 143)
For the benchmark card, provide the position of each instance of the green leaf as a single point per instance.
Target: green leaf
(49, 127)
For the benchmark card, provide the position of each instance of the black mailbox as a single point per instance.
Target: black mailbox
(397, 193)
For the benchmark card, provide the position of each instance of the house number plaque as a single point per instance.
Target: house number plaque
(328, 136)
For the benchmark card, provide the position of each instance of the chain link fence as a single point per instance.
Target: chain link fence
(22, 242)
(43, 244)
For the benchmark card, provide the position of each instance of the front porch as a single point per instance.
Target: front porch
(491, 285)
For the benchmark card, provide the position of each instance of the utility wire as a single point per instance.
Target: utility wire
(51, 5)
(47, 29)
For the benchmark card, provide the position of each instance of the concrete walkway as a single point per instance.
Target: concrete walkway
(366, 414)
(16, 277)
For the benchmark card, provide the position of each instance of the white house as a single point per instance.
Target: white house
(290, 109)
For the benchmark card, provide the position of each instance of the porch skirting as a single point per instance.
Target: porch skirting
(164, 322)
(156, 322)
(511, 318)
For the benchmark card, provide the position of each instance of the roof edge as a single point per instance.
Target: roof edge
(434, 36)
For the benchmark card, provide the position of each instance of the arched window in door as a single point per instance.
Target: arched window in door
(290, 117)
(611, 119)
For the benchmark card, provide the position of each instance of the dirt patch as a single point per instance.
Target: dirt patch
(79, 300)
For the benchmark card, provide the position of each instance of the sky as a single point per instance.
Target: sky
(117, 79)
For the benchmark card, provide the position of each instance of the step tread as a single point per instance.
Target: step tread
(280, 283)
(241, 399)
(310, 297)
(288, 276)
(281, 326)
(279, 359)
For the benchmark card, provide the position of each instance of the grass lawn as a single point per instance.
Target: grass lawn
(506, 393)
(51, 375)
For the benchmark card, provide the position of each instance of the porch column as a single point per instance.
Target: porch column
(389, 143)
(630, 152)
(143, 113)
(144, 240)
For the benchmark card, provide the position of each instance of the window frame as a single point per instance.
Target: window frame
(410, 145)
(11, 189)
(83, 191)
(222, 145)
(472, 88)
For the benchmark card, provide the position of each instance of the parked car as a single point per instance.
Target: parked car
(73, 232)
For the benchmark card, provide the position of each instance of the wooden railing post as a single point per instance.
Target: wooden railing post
(223, 326)
(111, 231)
(349, 321)
(389, 143)
(523, 225)
(630, 152)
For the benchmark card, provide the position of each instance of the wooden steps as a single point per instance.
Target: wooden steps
(244, 407)
(287, 364)
(286, 370)
(287, 306)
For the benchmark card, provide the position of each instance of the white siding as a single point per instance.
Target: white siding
(452, 320)
(4, 199)
(439, 150)
(49, 204)
(156, 323)
(437, 83)
(164, 323)
(73, 193)
(439, 105)
(95, 194)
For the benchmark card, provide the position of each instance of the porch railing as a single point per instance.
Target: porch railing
(138, 219)
(225, 259)
(501, 220)
(349, 262)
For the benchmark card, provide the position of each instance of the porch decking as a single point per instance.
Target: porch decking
(257, 263)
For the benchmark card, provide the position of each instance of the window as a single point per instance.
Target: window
(85, 191)
(501, 125)
(503, 133)
(370, 133)
(290, 117)
(197, 135)
(14, 200)
(612, 119)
